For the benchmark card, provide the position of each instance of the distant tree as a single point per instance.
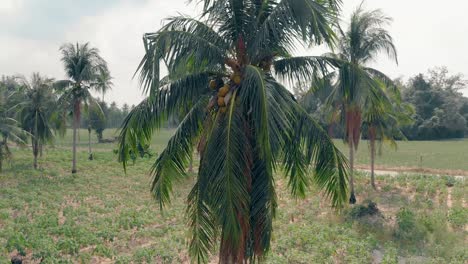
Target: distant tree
(440, 110)
(97, 119)
(114, 115)
(125, 109)
(355, 83)
(83, 65)
(38, 110)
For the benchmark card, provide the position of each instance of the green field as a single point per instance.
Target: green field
(442, 155)
(102, 215)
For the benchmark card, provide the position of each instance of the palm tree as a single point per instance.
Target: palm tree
(9, 127)
(104, 82)
(37, 111)
(83, 65)
(382, 123)
(245, 124)
(355, 83)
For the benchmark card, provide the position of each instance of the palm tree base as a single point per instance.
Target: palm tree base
(90, 157)
(352, 198)
(74, 171)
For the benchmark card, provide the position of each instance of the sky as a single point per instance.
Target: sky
(427, 33)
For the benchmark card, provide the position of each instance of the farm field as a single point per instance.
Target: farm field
(101, 215)
(450, 155)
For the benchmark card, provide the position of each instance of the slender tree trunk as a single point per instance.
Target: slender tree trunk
(90, 153)
(351, 120)
(35, 148)
(372, 154)
(3, 146)
(40, 149)
(352, 197)
(1, 156)
(76, 121)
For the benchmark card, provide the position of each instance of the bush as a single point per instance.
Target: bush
(369, 208)
(408, 230)
(449, 181)
(458, 217)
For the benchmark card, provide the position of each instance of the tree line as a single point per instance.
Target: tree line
(439, 110)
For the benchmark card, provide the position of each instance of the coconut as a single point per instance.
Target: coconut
(236, 79)
(223, 91)
(221, 101)
(213, 84)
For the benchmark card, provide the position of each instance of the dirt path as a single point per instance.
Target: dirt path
(401, 170)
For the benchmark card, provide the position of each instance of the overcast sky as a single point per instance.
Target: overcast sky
(427, 33)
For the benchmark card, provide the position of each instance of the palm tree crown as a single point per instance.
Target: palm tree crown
(244, 123)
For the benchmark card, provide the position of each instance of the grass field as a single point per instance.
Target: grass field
(442, 155)
(101, 215)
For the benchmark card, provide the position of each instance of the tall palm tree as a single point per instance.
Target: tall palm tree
(38, 110)
(83, 65)
(382, 124)
(355, 82)
(246, 125)
(104, 82)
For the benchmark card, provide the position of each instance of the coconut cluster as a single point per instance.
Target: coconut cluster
(224, 94)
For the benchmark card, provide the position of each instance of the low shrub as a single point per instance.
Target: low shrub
(368, 208)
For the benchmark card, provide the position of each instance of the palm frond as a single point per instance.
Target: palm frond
(173, 159)
(303, 69)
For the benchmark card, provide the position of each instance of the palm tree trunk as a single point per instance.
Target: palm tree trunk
(352, 197)
(90, 154)
(1, 156)
(372, 154)
(40, 149)
(3, 146)
(76, 120)
(350, 129)
(35, 148)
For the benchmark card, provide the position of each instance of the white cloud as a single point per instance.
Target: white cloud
(118, 35)
(10, 7)
(24, 56)
(434, 36)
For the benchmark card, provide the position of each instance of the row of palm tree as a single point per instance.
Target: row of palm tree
(39, 107)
